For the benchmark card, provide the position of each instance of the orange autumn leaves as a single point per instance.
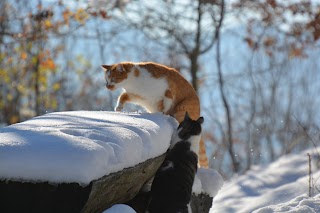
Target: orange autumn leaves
(269, 45)
(280, 26)
(46, 61)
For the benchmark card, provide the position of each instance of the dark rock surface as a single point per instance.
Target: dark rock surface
(201, 203)
(120, 187)
(99, 195)
(42, 197)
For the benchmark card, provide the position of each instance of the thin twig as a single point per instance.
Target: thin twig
(308, 135)
(310, 174)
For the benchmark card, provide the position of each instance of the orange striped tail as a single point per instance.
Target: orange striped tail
(203, 159)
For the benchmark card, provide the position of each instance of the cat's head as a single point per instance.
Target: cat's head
(115, 74)
(188, 130)
(189, 127)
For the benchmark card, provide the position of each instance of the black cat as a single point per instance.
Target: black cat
(172, 185)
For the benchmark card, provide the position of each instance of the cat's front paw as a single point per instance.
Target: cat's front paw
(118, 108)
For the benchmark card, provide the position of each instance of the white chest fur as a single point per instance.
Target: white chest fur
(151, 90)
(193, 140)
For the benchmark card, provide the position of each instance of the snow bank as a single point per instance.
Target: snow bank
(301, 203)
(81, 146)
(280, 185)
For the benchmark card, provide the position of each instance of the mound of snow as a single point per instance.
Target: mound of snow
(81, 146)
(301, 203)
(120, 208)
(207, 181)
(280, 185)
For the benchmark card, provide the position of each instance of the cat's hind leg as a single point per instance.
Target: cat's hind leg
(180, 110)
(167, 101)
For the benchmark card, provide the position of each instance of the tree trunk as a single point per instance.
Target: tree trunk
(226, 105)
(37, 87)
(194, 70)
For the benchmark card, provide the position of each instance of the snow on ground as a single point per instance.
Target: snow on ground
(301, 203)
(81, 146)
(279, 187)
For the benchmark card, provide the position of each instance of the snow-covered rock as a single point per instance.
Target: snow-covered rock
(206, 185)
(81, 146)
(207, 181)
(80, 161)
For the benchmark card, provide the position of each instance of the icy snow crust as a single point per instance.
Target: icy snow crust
(81, 146)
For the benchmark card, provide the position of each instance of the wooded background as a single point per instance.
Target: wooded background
(254, 64)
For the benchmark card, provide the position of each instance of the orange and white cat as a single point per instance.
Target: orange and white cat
(158, 88)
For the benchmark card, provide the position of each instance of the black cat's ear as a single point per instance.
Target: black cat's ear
(186, 116)
(105, 67)
(200, 120)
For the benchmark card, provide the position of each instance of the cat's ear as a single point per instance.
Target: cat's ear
(120, 68)
(186, 116)
(105, 67)
(200, 120)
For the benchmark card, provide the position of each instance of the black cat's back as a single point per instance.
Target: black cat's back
(172, 186)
